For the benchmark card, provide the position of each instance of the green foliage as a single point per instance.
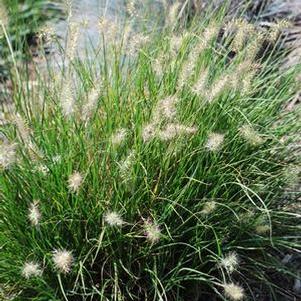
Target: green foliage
(183, 202)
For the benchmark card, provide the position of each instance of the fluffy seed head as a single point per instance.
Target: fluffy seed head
(109, 29)
(250, 135)
(119, 137)
(172, 130)
(131, 9)
(262, 229)
(113, 219)
(67, 99)
(234, 291)
(165, 109)
(73, 35)
(57, 159)
(90, 105)
(277, 28)
(62, 260)
(126, 166)
(148, 132)
(209, 207)
(152, 231)
(22, 128)
(215, 141)
(158, 64)
(34, 214)
(173, 13)
(31, 269)
(7, 154)
(219, 86)
(74, 182)
(47, 34)
(41, 168)
(199, 87)
(188, 67)
(176, 42)
(243, 30)
(137, 42)
(230, 262)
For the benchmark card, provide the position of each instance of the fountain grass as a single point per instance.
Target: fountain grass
(156, 175)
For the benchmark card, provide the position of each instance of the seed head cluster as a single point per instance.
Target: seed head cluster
(214, 142)
(119, 137)
(34, 214)
(234, 292)
(75, 181)
(152, 231)
(230, 262)
(250, 135)
(31, 269)
(113, 219)
(7, 154)
(208, 207)
(62, 260)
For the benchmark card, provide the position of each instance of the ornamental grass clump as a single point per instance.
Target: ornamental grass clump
(148, 195)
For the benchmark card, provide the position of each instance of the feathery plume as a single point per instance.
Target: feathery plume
(68, 7)
(22, 128)
(31, 269)
(119, 137)
(47, 34)
(73, 34)
(199, 87)
(62, 260)
(243, 30)
(3, 119)
(113, 219)
(41, 168)
(24, 133)
(7, 154)
(67, 99)
(254, 46)
(57, 159)
(90, 105)
(203, 43)
(137, 41)
(126, 166)
(34, 214)
(149, 132)
(214, 142)
(152, 231)
(131, 9)
(230, 262)
(234, 291)
(208, 207)
(75, 181)
(243, 76)
(109, 28)
(277, 28)
(218, 88)
(165, 109)
(173, 13)
(250, 135)
(262, 229)
(173, 130)
(209, 33)
(175, 44)
(157, 65)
